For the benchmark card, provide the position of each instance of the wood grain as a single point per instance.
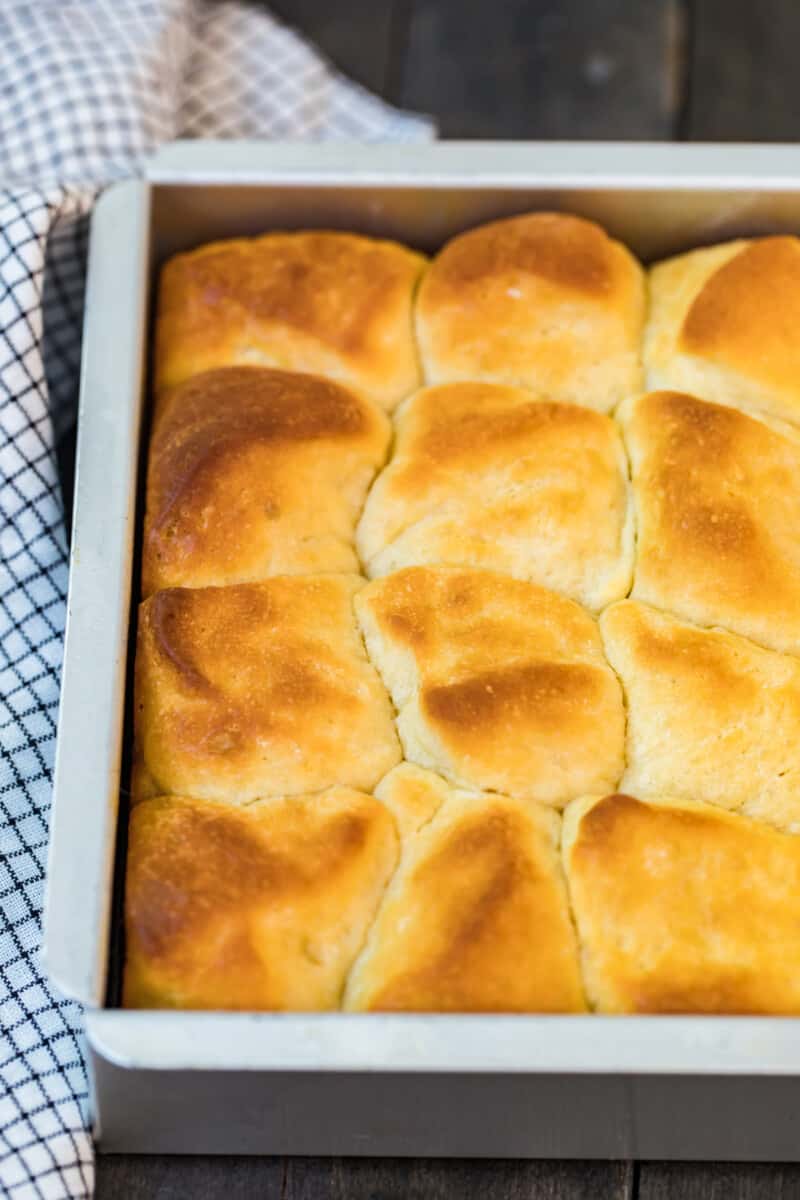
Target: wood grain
(442, 1179)
(190, 1177)
(546, 68)
(744, 81)
(718, 1181)
(162, 1177)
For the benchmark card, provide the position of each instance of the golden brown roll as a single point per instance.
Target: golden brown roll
(491, 476)
(334, 304)
(263, 907)
(718, 516)
(500, 685)
(683, 908)
(723, 324)
(711, 716)
(546, 301)
(256, 690)
(476, 917)
(255, 472)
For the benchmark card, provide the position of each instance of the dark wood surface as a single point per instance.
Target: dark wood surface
(717, 1181)
(743, 72)
(666, 69)
(555, 68)
(140, 1177)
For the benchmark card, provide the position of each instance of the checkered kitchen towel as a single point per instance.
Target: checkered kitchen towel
(87, 90)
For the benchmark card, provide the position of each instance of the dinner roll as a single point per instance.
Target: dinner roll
(683, 908)
(335, 304)
(263, 907)
(718, 516)
(261, 689)
(255, 472)
(711, 716)
(491, 476)
(476, 917)
(723, 324)
(500, 685)
(546, 301)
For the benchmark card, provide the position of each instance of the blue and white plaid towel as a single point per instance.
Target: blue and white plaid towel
(88, 89)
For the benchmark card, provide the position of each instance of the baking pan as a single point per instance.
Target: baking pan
(576, 1086)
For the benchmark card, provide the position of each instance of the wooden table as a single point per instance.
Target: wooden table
(699, 70)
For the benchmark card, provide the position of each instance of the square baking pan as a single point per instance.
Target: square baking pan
(519, 1086)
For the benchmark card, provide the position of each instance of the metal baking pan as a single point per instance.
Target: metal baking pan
(571, 1086)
